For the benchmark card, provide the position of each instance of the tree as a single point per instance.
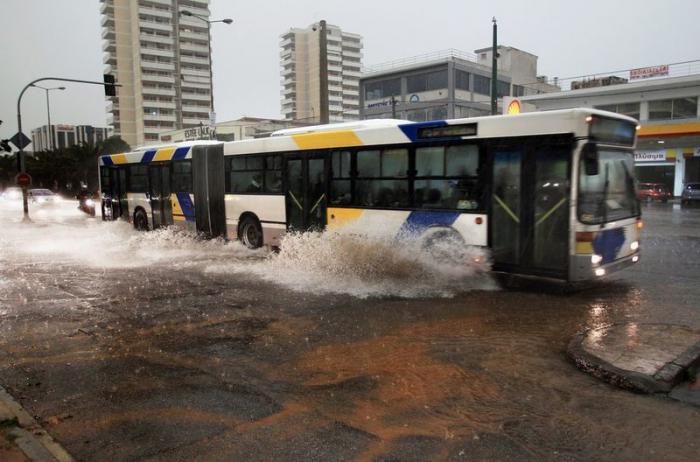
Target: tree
(113, 145)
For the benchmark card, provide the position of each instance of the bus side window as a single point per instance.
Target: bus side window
(137, 178)
(246, 174)
(182, 176)
(340, 193)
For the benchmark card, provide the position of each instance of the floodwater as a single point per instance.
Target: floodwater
(333, 349)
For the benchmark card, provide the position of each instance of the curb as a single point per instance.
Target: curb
(34, 441)
(663, 381)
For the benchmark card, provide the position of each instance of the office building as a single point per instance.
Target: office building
(447, 84)
(162, 60)
(300, 59)
(65, 136)
(665, 101)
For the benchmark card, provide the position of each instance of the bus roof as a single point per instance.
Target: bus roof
(383, 132)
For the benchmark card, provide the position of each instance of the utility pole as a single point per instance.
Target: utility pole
(323, 76)
(393, 107)
(494, 70)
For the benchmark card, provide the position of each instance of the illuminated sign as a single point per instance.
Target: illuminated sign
(650, 156)
(646, 72)
(514, 107)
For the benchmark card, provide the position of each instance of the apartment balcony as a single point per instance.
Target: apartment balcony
(196, 10)
(194, 97)
(166, 14)
(157, 91)
(110, 59)
(195, 122)
(351, 73)
(195, 35)
(157, 78)
(108, 34)
(194, 47)
(194, 73)
(334, 68)
(106, 6)
(152, 38)
(160, 104)
(159, 117)
(155, 25)
(107, 21)
(167, 3)
(157, 52)
(351, 53)
(198, 60)
(287, 41)
(197, 109)
(109, 45)
(157, 65)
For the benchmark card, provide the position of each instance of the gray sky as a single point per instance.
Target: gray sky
(62, 38)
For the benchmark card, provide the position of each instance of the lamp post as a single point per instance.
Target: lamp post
(211, 75)
(48, 112)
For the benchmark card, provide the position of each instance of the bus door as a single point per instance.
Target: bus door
(530, 208)
(159, 194)
(306, 192)
(117, 191)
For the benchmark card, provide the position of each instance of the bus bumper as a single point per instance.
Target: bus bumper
(583, 270)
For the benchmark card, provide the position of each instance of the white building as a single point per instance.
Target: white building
(300, 62)
(162, 60)
(447, 84)
(65, 136)
(668, 146)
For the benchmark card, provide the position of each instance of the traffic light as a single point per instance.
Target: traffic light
(110, 88)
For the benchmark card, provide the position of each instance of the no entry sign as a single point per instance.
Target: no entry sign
(23, 179)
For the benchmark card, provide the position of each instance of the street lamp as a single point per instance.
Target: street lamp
(48, 112)
(211, 75)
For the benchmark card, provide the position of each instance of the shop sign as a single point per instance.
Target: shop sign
(650, 156)
(646, 72)
(197, 133)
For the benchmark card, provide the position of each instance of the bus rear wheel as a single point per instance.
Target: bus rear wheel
(140, 220)
(250, 232)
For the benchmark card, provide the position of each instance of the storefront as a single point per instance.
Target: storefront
(672, 167)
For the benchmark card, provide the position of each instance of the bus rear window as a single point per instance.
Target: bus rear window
(606, 130)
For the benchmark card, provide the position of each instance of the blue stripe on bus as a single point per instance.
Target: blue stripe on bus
(148, 156)
(107, 161)
(419, 221)
(180, 153)
(608, 243)
(186, 205)
(411, 130)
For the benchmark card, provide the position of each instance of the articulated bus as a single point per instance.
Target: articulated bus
(550, 194)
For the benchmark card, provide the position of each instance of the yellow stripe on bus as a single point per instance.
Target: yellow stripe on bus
(119, 158)
(584, 247)
(164, 154)
(331, 139)
(337, 218)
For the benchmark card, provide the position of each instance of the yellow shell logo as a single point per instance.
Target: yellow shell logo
(513, 107)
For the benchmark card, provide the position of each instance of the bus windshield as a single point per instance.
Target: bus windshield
(609, 195)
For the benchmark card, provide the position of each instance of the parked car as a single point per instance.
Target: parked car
(691, 194)
(653, 192)
(42, 196)
(11, 194)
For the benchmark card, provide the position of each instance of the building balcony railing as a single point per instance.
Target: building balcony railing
(156, 39)
(195, 97)
(157, 78)
(156, 65)
(156, 25)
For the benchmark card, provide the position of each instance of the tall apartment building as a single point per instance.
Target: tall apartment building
(162, 60)
(300, 61)
(46, 138)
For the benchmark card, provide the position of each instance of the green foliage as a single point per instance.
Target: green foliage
(63, 170)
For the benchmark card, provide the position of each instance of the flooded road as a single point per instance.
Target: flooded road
(156, 346)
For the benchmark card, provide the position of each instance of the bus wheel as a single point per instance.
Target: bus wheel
(140, 220)
(250, 232)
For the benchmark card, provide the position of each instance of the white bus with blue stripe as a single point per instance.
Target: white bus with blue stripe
(551, 194)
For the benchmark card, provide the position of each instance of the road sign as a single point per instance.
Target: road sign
(23, 179)
(20, 140)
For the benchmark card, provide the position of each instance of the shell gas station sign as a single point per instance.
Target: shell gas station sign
(514, 107)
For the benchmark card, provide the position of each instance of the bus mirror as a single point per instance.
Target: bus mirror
(590, 159)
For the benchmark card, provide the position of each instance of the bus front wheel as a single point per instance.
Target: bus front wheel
(140, 220)
(250, 232)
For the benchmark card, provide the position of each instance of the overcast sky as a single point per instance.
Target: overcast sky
(62, 38)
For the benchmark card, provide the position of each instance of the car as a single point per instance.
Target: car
(653, 192)
(691, 194)
(11, 194)
(42, 196)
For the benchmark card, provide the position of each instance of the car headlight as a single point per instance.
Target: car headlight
(90, 203)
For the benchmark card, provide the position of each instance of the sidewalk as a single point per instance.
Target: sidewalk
(23, 439)
(646, 358)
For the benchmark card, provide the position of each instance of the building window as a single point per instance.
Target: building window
(628, 109)
(679, 108)
(426, 82)
(437, 113)
(482, 85)
(462, 80)
(518, 90)
(382, 89)
(502, 89)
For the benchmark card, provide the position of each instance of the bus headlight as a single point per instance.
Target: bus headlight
(635, 259)
(600, 272)
(596, 259)
(634, 245)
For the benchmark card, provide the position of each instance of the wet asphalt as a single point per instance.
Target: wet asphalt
(172, 363)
